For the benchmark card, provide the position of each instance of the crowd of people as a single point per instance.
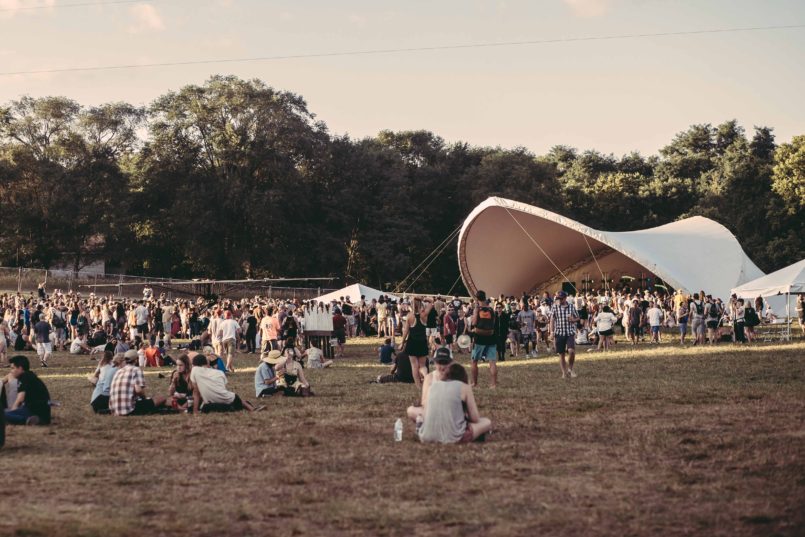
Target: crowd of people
(421, 336)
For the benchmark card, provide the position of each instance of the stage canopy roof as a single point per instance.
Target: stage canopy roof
(507, 247)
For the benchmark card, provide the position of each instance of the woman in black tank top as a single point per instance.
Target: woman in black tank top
(416, 346)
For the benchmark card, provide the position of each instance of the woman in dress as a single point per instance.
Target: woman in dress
(416, 340)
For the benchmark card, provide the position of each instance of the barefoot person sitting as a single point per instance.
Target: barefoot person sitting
(449, 414)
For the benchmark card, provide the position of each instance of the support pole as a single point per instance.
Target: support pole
(787, 317)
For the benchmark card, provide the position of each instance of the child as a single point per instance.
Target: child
(386, 352)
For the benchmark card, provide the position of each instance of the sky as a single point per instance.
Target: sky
(616, 96)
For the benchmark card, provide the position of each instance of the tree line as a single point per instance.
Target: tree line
(234, 178)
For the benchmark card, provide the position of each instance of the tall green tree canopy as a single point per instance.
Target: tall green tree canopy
(233, 178)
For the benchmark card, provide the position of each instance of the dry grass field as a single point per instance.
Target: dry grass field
(646, 441)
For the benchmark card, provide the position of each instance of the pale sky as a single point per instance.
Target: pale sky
(615, 96)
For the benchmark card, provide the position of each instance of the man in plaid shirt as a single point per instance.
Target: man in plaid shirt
(563, 318)
(127, 394)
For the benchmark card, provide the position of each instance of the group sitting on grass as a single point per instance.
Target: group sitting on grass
(198, 384)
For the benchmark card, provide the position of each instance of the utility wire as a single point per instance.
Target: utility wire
(402, 50)
(77, 4)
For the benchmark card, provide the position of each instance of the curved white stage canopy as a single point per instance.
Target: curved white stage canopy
(507, 247)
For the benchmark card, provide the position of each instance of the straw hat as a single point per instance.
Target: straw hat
(272, 358)
(464, 341)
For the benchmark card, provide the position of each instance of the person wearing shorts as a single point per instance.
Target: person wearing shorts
(697, 320)
(682, 316)
(44, 347)
(563, 319)
(484, 346)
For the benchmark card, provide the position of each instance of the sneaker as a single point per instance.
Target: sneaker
(44, 363)
(33, 420)
(258, 408)
(572, 374)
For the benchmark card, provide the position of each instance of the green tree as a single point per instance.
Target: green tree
(789, 174)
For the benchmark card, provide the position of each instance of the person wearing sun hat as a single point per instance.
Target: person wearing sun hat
(265, 379)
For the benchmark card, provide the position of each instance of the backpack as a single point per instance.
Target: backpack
(750, 316)
(713, 311)
(486, 322)
(699, 307)
(58, 321)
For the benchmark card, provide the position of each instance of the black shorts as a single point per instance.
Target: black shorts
(142, 328)
(341, 336)
(448, 339)
(565, 343)
(144, 407)
(237, 404)
(268, 392)
(100, 404)
(606, 332)
(712, 325)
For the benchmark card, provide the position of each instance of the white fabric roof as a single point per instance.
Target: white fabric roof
(496, 252)
(354, 293)
(790, 279)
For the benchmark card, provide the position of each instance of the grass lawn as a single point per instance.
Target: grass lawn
(646, 441)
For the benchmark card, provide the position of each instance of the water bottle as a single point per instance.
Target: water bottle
(398, 430)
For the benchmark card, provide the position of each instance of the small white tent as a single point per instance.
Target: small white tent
(354, 292)
(787, 281)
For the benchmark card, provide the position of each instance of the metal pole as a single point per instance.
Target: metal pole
(787, 317)
(19, 279)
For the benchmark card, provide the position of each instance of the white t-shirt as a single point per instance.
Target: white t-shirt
(228, 329)
(141, 314)
(75, 346)
(314, 356)
(211, 384)
(605, 320)
(215, 324)
(654, 316)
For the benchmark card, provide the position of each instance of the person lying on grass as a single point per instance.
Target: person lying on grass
(32, 405)
(449, 414)
(127, 393)
(265, 379)
(209, 390)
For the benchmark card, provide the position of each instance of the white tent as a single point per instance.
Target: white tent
(510, 247)
(786, 281)
(354, 292)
